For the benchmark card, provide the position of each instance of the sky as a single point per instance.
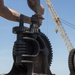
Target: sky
(64, 9)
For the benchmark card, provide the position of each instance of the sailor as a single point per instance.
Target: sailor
(12, 15)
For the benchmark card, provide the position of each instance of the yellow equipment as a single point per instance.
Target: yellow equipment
(59, 26)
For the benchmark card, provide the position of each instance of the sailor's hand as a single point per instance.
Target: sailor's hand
(40, 19)
(37, 19)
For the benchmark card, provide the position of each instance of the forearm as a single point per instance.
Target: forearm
(13, 15)
(36, 6)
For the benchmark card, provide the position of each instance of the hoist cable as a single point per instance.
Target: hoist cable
(68, 23)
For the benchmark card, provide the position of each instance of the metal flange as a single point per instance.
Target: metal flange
(71, 61)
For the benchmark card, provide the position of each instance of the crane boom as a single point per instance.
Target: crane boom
(59, 26)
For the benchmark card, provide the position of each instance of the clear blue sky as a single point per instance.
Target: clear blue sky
(64, 8)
